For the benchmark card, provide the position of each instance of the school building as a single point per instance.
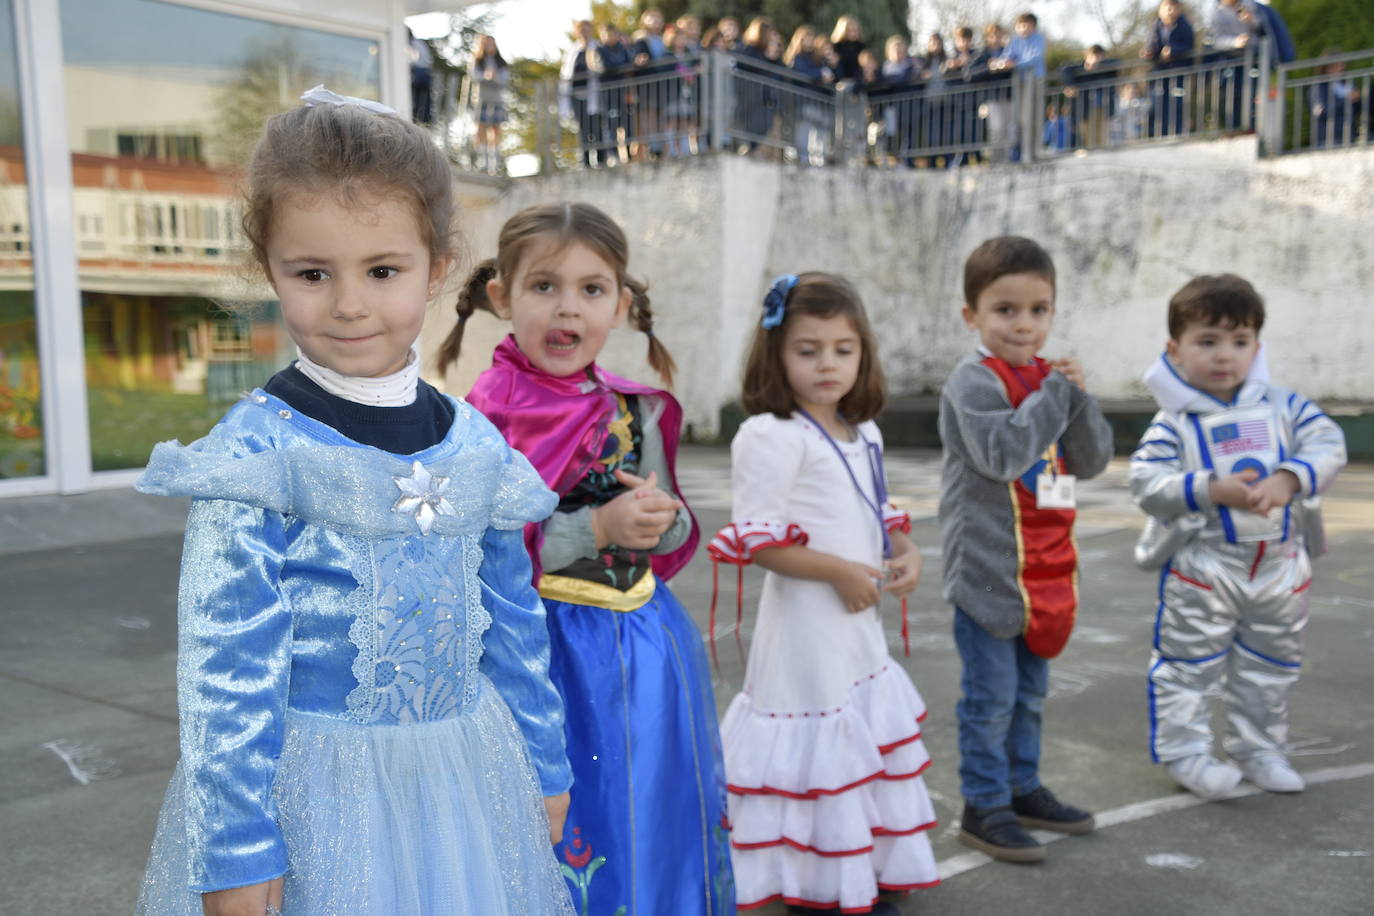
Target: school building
(121, 124)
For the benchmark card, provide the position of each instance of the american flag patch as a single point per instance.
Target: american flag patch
(1245, 436)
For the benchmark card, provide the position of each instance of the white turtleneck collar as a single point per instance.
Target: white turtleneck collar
(1173, 393)
(395, 390)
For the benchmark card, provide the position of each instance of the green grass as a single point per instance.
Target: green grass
(125, 425)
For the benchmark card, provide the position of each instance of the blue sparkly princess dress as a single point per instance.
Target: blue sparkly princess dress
(362, 674)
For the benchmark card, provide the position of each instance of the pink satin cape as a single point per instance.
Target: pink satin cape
(561, 423)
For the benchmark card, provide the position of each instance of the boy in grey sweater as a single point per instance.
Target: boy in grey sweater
(1018, 430)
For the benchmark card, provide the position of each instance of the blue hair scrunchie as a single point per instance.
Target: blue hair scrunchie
(775, 302)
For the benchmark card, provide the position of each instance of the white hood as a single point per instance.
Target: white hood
(1174, 394)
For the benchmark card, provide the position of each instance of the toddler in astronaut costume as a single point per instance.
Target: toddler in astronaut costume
(1229, 472)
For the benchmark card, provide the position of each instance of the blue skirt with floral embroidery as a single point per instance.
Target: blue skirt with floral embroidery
(647, 833)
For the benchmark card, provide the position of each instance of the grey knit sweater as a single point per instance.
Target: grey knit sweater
(988, 444)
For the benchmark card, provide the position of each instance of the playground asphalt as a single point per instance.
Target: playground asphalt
(87, 701)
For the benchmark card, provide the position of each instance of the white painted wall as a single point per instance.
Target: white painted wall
(1126, 230)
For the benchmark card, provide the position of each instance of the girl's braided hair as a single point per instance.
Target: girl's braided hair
(563, 223)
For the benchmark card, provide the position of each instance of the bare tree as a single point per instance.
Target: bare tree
(1125, 23)
(946, 15)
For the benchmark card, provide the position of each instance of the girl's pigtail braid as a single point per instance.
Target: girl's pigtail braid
(471, 297)
(642, 318)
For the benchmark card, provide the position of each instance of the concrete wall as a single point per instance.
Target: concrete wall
(1126, 230)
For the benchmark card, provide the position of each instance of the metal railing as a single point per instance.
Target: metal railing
(1212, 96)
(721, 100)
(947, 121)
(1322, 103)
(682, 106)
(781, 111)
(656, 112)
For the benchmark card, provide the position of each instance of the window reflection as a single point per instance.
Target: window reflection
(21, 403)
(163, 104)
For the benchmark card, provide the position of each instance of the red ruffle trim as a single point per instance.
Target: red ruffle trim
(817, 793)
(737, 543)
(837, 853)
(889, 748)
(895, 519)
(833, 904)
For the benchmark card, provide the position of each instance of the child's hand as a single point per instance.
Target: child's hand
(636, 518)
(903, 572)
(557, 808)
(1273, 492)
(1072, 369)
(251, 900)
(857, 584)
(1232, 490)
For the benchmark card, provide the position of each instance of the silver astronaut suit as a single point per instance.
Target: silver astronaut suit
(1233, 585)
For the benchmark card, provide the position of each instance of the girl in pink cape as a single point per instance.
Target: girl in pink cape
(646, 830)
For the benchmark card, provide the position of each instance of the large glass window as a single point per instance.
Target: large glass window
(21, 403)
(163, 104)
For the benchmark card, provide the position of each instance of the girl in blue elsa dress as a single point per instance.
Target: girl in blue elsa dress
(367, 721)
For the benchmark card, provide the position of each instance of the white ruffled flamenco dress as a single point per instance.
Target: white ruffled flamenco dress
(823, 750)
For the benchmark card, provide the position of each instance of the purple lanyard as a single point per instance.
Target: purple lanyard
(875, 466)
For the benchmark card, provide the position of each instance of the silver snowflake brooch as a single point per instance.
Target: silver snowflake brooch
(422, 495)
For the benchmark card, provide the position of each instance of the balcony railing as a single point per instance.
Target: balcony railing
(727, 101)
(1322, 103)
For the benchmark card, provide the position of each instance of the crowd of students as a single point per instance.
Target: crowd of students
(814, 65)
(939, 102)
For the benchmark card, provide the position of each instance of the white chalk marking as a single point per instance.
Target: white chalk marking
(134, 623)
(1097, 636)
(1347, 853)
(83, 762)
(1174, 860)
(1141, 810)
(1315, 746)
(60, 749)
(1068, 680)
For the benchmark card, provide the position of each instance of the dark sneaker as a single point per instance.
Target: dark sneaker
(1040, 810)
(998, 832)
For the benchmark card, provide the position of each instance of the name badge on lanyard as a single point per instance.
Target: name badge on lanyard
(1056, 491)
(875, 467)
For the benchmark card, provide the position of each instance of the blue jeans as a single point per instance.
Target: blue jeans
(1003, 685)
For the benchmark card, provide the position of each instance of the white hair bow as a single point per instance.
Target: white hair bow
(322, 96)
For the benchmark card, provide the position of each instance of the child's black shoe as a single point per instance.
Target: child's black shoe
(998, 832)
(1040, 810)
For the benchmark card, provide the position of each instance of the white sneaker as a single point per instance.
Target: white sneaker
(1272, 773)
(1204, 776)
